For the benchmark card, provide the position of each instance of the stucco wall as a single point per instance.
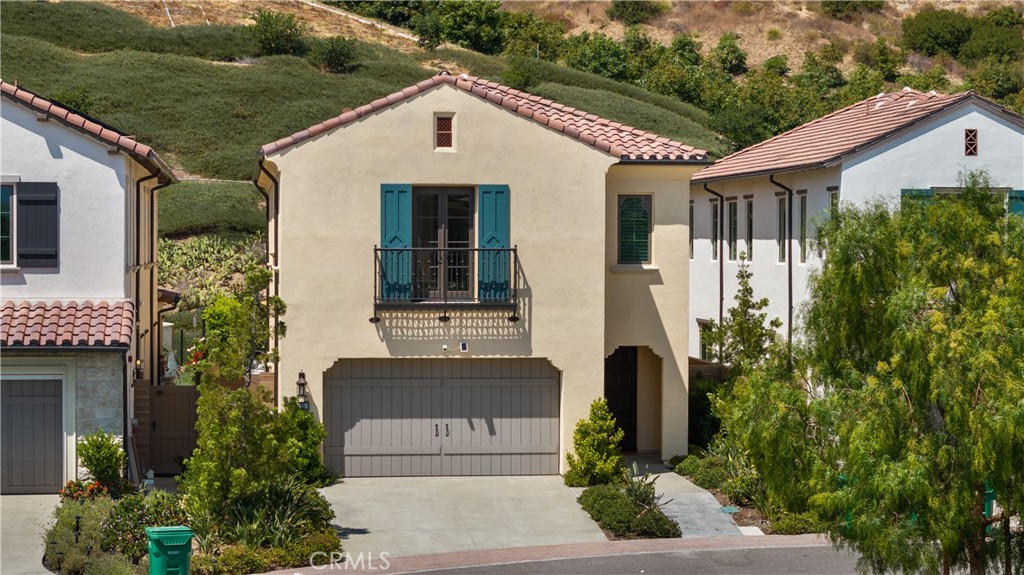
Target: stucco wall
(330, 221)
(770, 276)
(645, 305)
(93, 209)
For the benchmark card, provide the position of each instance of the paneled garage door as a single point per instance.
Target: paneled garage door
(408, 417)
(33, 439)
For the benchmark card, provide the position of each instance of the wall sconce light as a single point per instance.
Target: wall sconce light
(301, 383)
(139, 372)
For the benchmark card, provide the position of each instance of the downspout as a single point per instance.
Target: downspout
(154, 362)
(274, 269)
(126, 434)
(721, 261)
(789, 261)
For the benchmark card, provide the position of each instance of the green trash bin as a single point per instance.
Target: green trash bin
(170, 550)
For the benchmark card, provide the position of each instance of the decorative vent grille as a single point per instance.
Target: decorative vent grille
(970, 142)
(444, 132)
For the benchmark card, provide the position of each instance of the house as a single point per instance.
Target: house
(467, 267)
(78, 277)
(765, 200)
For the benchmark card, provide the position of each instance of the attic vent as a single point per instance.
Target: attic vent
(971, 142)
(444, 136)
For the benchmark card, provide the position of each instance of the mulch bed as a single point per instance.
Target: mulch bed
(747, 516)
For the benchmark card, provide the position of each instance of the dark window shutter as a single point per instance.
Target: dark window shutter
(38, 232)
(634, 229)
(495, 266)
(396, 235)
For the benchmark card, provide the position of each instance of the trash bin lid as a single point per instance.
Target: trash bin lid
(173, 535)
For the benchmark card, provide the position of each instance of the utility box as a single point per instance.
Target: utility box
(170, 550)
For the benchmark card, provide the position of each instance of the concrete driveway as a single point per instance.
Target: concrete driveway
(23, 518)
(406, 516)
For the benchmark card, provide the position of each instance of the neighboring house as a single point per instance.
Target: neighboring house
(768, 198)
(467, 267)
(78, 276)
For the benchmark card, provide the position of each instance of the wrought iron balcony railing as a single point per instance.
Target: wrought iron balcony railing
(452, 278)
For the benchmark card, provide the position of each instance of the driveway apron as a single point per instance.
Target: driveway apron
(406, 516)
(23, 519)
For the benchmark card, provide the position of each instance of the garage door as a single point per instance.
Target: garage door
(33, 454)
(408, 417)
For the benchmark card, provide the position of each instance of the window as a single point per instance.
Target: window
(714, 231)
(750, 229)
(833, 199)
(803, 229)
(635, 229)
(782, 229)
(444, 136)
(691, 230)
(704, 331)
(733, 228)
(6, 223)
(970, 142)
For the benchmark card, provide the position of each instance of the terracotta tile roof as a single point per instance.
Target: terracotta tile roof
(88, 126)
(829, 139)
(69, 323)
(630, 144)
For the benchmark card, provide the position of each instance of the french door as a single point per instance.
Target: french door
(442, 231)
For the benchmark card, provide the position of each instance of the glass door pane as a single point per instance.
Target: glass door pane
(458, 227)
(426, 262)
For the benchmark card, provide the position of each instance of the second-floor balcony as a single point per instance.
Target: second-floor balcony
(450, 278)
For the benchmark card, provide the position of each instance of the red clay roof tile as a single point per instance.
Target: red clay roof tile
(832, 137)
(626, 142)
(55, 324)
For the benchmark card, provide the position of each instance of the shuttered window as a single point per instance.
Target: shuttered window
(635, 229)
(1016, 203)
(6, 223)
(37, 224)
(733, 228)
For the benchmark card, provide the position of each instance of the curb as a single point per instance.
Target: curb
(454, 560)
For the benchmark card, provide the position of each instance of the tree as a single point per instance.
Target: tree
(632, 12)
(728, 54)
(595, 441)
(596, 53)
(917, 351)
(277, 33)
(931, 31)
(742, 340)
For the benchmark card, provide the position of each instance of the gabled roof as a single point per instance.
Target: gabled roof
(90, 127)
(828, 140)
(70, 323)
(624, 142)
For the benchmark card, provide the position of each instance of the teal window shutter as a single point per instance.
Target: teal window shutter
(634, 229)
(1016, 205)
(915, 194)
(494, 242)
(396, 234)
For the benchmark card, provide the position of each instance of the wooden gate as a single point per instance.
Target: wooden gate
(172, 427)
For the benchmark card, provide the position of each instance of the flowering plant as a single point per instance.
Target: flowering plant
(77, 490)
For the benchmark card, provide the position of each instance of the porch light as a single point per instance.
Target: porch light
(139, 372)
(301, 383)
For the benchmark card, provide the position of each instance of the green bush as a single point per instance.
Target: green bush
(632, 12)
(124, 531)
(703, 425)
(597, 54)
(59, 539)
(797, 523)
(932, 31)
(849, 9)
(242, 560)
(711, 472)
(335, 54)
(103, 457)
(301, 552)
(729, 55)
(303, 435)
(276, 33)
(113, 565)
(611, 508)
(76, 490)
(688, 466)
(778, 65)
(278, 515)
(597, 459)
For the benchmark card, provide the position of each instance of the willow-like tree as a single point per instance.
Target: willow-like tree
(916, 341)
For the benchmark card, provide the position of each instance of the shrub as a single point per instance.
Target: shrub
(778, 65)
(278, 515)
(597, 54)
(797, 523)
(611, 508)
(597, 459)
(632, 12)
(277, 33)
(59, 539)
(847, 9)
(124, 531)
(520, 74)
(675, 460)
(774, 34)
(688, 466)
(113, 565)
(77, 490)
(302, 435)
(335, 54)
(728, 54)
(301, 552)
(932, 31)
(703, 424)
(988, 40)
(103, 457)
(241, 560)
(711, 472)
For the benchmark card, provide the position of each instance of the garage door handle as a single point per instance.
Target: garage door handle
(446, 430)
(436, 433)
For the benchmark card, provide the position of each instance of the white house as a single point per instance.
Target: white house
(79, 309)
(765, 200)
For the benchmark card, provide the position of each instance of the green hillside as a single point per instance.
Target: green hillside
(208, 117)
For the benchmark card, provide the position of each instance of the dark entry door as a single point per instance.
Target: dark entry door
(173, 438)
(443, 225)
(620, 391)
